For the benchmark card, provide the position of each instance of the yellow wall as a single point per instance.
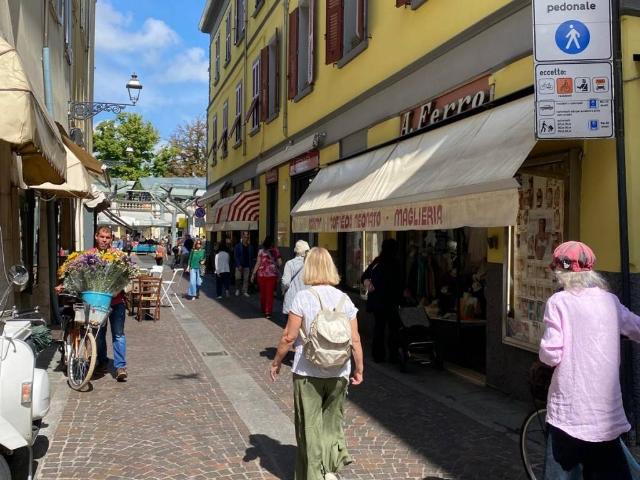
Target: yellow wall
(383, 132)
(417, 31)
(631, 77)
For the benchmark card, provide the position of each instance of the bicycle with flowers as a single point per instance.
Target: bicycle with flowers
(93, 276)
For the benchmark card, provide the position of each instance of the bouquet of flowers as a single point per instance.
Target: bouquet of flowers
(108, 271)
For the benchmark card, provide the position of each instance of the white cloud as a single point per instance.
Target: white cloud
(113, 34)
(191, 65)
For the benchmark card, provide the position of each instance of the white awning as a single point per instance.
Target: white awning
(26, 125)
(78, 183)
(457, 175)
(138, 219)
(238, 212)
(289, 152)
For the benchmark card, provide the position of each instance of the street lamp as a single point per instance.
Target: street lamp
(85, 110)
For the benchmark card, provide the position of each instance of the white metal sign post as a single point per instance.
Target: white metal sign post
(574, 75)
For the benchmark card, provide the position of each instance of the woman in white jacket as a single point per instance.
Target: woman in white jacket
(223, 272)
(292, 277)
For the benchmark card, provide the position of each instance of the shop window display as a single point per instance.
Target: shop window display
(362, 248)
(446, 270)
(539, 230)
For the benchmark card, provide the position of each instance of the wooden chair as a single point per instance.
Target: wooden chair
(149, 298)
(131, 297)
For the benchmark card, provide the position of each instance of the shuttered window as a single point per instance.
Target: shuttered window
(217, 60)
(346, 29)
(402, 3)
(227, 46)
(301, 49)
(335, 15)
(239, 21)
(237, 122)
(68, 30)
(269, 102)
(253, 112)
(412, 3)
(292, 80)
(225, 128)
(214, 139)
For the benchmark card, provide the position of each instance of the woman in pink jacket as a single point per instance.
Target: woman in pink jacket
(583, 324)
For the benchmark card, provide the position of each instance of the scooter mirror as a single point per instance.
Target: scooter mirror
(19, 275)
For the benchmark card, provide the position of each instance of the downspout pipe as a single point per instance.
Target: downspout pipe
(52, 251)
(627, 349)
(285, 61)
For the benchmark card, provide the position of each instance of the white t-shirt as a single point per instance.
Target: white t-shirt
(306, 305)
(222, 262)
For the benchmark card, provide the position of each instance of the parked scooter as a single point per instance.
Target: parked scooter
(24, 389)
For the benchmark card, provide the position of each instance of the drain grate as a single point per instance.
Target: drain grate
(214, 354)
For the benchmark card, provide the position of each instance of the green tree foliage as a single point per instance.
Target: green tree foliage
(186, 152)
(128, 130)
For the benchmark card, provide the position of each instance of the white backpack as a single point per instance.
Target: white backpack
(328, 342)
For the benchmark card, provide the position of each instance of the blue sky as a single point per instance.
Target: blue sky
(160, 41)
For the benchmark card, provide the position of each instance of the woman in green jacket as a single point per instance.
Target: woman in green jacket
(196, 258)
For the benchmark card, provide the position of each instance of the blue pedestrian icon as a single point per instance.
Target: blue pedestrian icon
(572, 37)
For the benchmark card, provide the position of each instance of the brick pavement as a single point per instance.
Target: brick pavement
(172, 420)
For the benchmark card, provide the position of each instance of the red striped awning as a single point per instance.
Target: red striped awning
(238, 212)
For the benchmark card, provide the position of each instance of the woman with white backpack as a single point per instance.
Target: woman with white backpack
(323, 328)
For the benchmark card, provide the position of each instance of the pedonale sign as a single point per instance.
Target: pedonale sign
(448, 105)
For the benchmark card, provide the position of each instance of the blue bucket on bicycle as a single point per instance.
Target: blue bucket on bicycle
(100, 300)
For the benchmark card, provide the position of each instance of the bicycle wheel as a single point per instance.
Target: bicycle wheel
(533, 443)
(82, 358)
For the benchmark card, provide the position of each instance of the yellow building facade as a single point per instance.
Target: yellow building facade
(353, 78)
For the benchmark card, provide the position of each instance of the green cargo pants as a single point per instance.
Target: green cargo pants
(319, 415)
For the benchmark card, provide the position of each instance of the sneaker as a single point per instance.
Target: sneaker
(246, 294)
(237, 293)
(121, 374)
(219, 297)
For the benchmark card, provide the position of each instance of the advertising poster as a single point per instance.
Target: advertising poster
(538, 232)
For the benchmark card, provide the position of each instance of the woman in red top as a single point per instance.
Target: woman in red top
(267, 271)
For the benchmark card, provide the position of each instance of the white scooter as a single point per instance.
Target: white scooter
(24, 389)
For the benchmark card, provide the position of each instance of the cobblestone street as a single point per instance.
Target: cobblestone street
(197, 406)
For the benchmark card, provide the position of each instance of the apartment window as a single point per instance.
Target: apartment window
(412, 3)
(227, 53)
(252, 113)
(269, 80)
(301, 56)
(214, 139)
(217, 60)
(222, 144)
(239, 21)
(346, 30)
(68, 31)
(236, 128)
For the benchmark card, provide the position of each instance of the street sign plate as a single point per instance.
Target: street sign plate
(569, 31)
(200, 212)
(574, 100)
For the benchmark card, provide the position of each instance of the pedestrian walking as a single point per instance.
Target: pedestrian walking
(292, 276)
(103, 238)
(127, 245)
(196, 258)
(223, 272)
(243, 254)
(585, 416)
(267, 272)
(160, 253)
(319, 391)
(384, 283)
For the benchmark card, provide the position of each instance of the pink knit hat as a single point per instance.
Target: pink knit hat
(573, 257)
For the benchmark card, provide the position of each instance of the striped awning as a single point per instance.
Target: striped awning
(238, 212)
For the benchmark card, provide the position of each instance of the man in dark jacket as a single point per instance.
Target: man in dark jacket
(243, 255)
(384, 283)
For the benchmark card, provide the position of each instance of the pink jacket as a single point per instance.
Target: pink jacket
(582, 340)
